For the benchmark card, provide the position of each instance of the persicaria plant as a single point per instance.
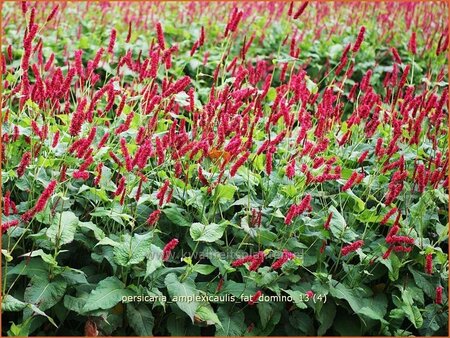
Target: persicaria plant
(253, 168)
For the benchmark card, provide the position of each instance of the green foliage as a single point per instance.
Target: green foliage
(182, 217)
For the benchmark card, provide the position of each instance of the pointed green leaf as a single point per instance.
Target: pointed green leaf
(133, 250)
(140, 319)
(207, 233)
(180, 293)
(9, 303)
(232, 323)
(63, 228)
(108, 293)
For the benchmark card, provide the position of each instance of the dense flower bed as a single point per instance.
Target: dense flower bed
(167, 171)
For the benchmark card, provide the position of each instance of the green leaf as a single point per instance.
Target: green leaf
(84, 42)
(204, 269)
(108, 241)
(232, 323)
(433, 320)
(411, 311)
(374, 307)
(154, 260)
(214, 257)
(224, 193)
(34, 267)
(74, 276)
(372, 314)
(140, 319)
(424, 212)
(425, 282)
(38, 311)
(298, 297)
(11, 304)
(8, 257)
(47, 258)
(115, 214)
(20, 330)
(108, 293)
(182, 98)
(206, 313)
(207, 233)
(269, 314)
(44, 293)
(180, 292)
(338, 226)
(302, 322)
(393, 264)
(359, 203)
(249, 230)
(63, 228)
(98, 233)
(133, 250)
(75, 304)
(343, 292)
(238, 289)
(271, 94)
(326, 317)
(175, 215)
(347, 325)
(311, 85)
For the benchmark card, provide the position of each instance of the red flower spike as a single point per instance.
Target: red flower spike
(351, 247)
(112, 41)
(429, 264)
(168, 249)
(300, 10)
(24, 162)
(9, 224)
(153, 218)
(160, 36)
(257, 260)
(283, 259)
(255, 297)
(438, 297)
(412, 45)
(388, 215)
(327, 223)
(359, 40)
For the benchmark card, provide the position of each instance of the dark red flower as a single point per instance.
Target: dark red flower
(160, 36)
(120, 187)
(129, 33)
(241, 261)
(327, 223)
(112, 40)
(388, 215)
(296, 210)
(429, 264)
(438, 298)
(9, 224)
(351, 247)
(81, 175)
(239, 163)
(359, 40)
(387, 253)
(255, 297)
(354, 179)
(219, 285)
(257, 260)
(300, 10)
(154, 217)
(168, 249)
(24, 162)
(283, 259)
(412, 46)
